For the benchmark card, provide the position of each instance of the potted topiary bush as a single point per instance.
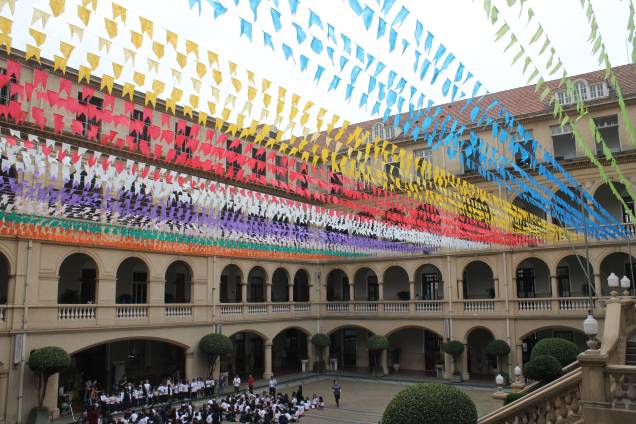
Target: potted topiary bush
(455, 348)
(395, 358)
(543, 368)
(44, 362)
(376, 344)
(215, 346)
(499, 349)
(563, 350)
(320, 342)
(430, 403)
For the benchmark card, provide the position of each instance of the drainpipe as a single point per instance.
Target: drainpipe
(450, 298)
(505, 275)
(24, 324)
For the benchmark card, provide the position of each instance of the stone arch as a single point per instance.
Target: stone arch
(619, 264)
(132, 281)
(289, 348)
(366, 286)
(530, 338)
(301, 286)
(413, 326)
(280, 285)
(178, 283)
(257, 285)
(478, 281)
(98, 342)
(479, 364)
(533, 278)
(230, 284)
(77, 279)
(395, 280)
(415, 348)
(558, 218)
(429, 283)
(88, 252)
(337, 286)
(249, 353)
(571, 276)
(604, 195)
(349, 346)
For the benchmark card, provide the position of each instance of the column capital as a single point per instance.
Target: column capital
(268, 344)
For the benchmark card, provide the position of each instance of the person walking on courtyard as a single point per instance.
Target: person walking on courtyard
(272, 385)
(337, 390)
(250, 384)
(237, 383)
(222, 382)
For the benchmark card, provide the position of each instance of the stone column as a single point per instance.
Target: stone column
(290, 293)
(554, 286)
(412, 290)
(519, 355)
(384, 357)
(465, 374)
(268, 360)
(50, 399)
(448, 366)
(594, 386)
(106, 291)
(243, 292)
(189, 365)
(268, 292)
(598, 288)
(352, 292)
(495, 284)
(381, 291)
(4, 380)
(155, 297)
(310, 353)
(460, 289)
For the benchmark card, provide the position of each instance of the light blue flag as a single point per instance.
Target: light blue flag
(316, 45)
(275, 19)
(412, 91)
(416, 64)
(300, 34)
(355, 6)
(195, 2)
(304, 60)
(429, 42)
(318, 74)
(331, 33)
(246, 28)
(460, 72)
(343, 62)
(392, 38)
(349, 91)
(441, 49)
(370, 59)
(363, 100)
(391, 79)
(293, 6)
(334, 83)
(288, 52)
(330, 52)
(399, 18)
(367, 17)
(376, 108)
(372, 83)
(347, 43)
(400, 103)
(219, 9)
(401, 85)
(381, 92)
(360, 54)
(254, 6)
(314, 19)
(381, 28)
(267, 40)
(354, 74)
(379, 68)
(386, 7)
(419, 29)
(446, 86)
(405, 45)
(425, 66)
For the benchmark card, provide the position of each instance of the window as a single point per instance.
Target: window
(384, 132)
(301, 168)
(336, 180)
(259, 170)
(525, 156)
(563, 142)
(5, 92)
(139, 133)
(426, 155)
(281, 172)
(182, 138)
(607, 126)
(525, 283)
(470, 157)
(392, 169)
(585, 91)
(91, 126)
(234, 146)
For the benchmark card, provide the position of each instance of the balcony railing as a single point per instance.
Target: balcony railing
(479, 305)
(539, 305)
(2, 313)
(574, 304)
(132, 312)
(178, 311)
(76, 313)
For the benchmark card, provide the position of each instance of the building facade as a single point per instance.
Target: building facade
(141, 313)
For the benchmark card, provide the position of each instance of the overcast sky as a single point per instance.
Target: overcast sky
(460, 25)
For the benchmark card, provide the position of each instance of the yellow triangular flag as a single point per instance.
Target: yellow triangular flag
(128, 89)
(265, 84)
(201, 69)
(187, 111)
(139, 79)
(59, 64)
(215, 93)
(6, 25)
(251, 93)
(136, 39)
(38, 37)
(213, 58)
(111, 27)
(119, 12)
(171, 38)
(150, 98)
(11, 4)
(218, 77)
(202, 118)
(104, 43)
(107, 83)
(84, 14)
(146, 26)
(117, 68)
(212, 108)
(182, 60)
(75, 30)
(93, 3)
(176, 75)
(194, 101)
(57, 7)
(192, 47)
(236, 84)
(232, 67)
(153, 65)
(39, 15)
(250, 77)
(92, 60)
(170, 106)
(129, 54)
(32, 52)
(84, 72)
(176, 94)
(158, 86)
(158, 49)
(5, 40)
(66, 49)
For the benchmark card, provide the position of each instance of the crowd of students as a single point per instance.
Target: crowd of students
(144, 403)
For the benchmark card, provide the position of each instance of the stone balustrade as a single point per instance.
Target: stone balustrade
(132, 312)
(622, 385)
(178, 311)
(534, 305)
(479, 305)
(574, 304)
(2, 313)
(74, 312)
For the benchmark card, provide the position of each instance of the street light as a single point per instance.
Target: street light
(612, 282)
(590, 328)
(625, 285)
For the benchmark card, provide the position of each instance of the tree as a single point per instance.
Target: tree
(454, 348)
(543, 368)
(376, 344)
(563, 350)
(44, 362)
(215, 345)
(320, 342)
(498, 349)
(430, 403)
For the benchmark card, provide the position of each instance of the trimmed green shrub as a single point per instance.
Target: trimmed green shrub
(499, 349)
(214, 346)
(563, 350)
(544, 368)
(430, 403)
(513, 396)
(44, 362)
(376, 343)
(454, 348)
